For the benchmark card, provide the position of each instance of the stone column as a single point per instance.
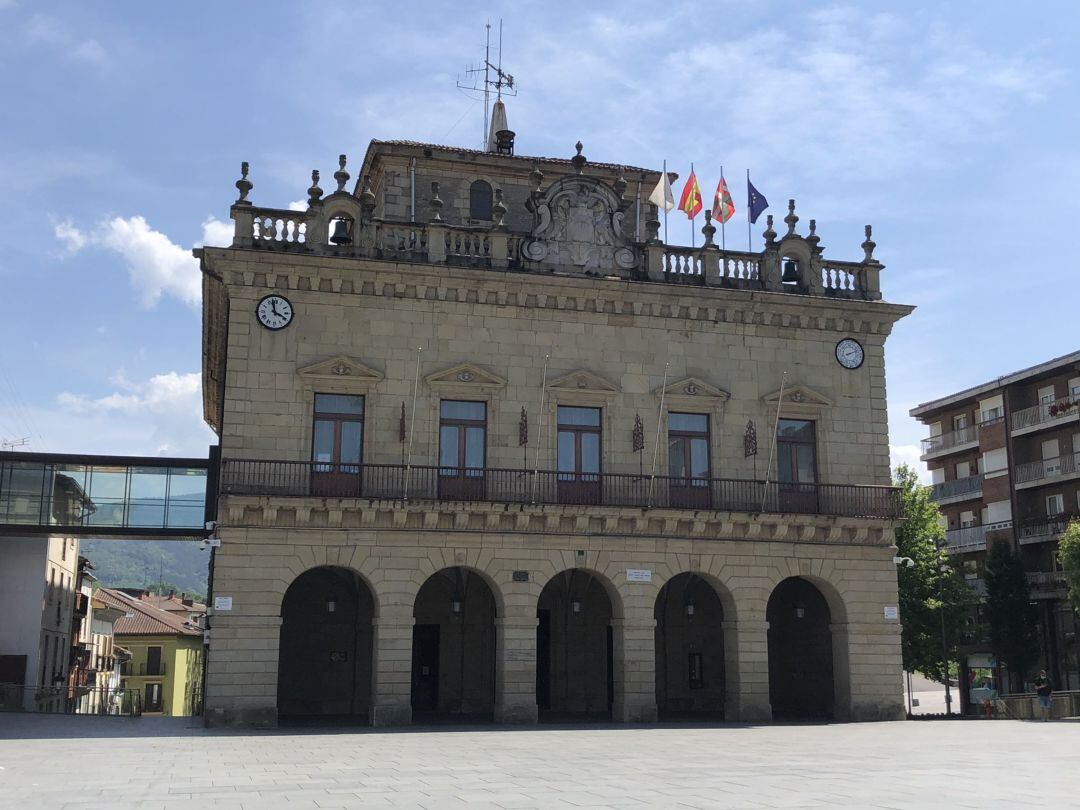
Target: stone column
(241, 675)
(515, 668)
(746, 655)
(392, 670)
(634, 662)
(867, 671)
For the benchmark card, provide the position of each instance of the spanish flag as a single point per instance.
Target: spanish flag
(690, 201)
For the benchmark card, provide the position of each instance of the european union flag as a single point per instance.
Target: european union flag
(755, 201)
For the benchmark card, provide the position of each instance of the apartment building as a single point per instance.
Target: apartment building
(492, 450)
(1003, 460)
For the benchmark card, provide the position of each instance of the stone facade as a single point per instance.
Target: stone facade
(634, 328)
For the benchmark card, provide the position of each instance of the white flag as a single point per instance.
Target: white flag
(662, 196)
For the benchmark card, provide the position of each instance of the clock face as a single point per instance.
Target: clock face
(849, 353)
(275, 312)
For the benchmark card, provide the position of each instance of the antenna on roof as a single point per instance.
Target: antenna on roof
(11, 444)
(493, 77)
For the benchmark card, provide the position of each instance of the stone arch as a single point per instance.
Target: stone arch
(804, 654)
(326, 644)
(578, 618)
(691, 612)
(454, 645)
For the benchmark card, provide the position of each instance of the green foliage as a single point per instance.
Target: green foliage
(145, 563)
(926, 591)
(1013, 619)
(1069, 556)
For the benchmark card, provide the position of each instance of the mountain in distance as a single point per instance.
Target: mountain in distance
(145, 563)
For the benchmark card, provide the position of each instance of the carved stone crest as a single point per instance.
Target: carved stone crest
(579, 225)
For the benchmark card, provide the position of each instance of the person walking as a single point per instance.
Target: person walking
(1045, 692)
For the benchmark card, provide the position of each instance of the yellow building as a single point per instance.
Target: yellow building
(166, 665)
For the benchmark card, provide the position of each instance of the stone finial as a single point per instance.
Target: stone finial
(791, 219)
(436, 202)
(536, 177)
(578, 160)
(314, 193)
(367, 197)
(498, 210)
(868, 246)
(708, 229)
(243, 185)
(813, 238)
(620, 186)
(770, 234)
(341, 176)
(652, 224)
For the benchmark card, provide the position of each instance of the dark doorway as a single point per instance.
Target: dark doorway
(153, 661)
(453, 666)
(152, 699)
(800, 652)
(325, 655)
(690, 672)
(425, 668)
(575, 648)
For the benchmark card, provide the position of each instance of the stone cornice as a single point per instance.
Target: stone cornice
(240, 511)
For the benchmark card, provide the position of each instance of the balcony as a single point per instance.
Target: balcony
(969, 538)
(953, 442)
(1046, 471)
(1045, 531)
(959, 489)
(398, 482)
(1045, 415)
(1047, 584)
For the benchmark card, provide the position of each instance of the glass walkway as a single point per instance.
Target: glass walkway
(104, 496)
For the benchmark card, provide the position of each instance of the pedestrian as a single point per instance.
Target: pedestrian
(1045, 692)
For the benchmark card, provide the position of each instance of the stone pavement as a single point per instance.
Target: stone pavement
(84, 762)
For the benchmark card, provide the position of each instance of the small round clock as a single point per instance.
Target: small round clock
(274, 312)
(849, 353)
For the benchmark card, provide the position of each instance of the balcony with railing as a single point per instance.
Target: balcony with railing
(954, 441)
(1046, 415)
(1047, 470)
(966, 539)
(1044, 531)
(959, 489)
(543, 487)
(1047, 584)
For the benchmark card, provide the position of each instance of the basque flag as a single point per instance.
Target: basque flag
(755, 201)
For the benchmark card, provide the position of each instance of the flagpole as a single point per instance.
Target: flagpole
(772, 441)
(659, 422)
(665, 202)
(723, 235)
(693, 219)
(412, 418)
(749, 238)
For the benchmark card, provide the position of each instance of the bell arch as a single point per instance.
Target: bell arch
(454, 647)
(802, 651)
(325, 647)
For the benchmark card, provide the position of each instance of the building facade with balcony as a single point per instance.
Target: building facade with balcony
(491, 450)
(1002, 458)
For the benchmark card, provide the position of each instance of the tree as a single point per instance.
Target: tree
(1012, 617)
(925, 589)
(1069, 556)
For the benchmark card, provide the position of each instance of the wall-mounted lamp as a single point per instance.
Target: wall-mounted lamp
(800, 612)
(575, 605)
(689, 608)
(455, 605)
(331, 604)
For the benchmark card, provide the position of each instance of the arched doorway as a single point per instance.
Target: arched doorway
(800, 652)
(574, 648)
(690, 674)
(453, 658)
(324, 656)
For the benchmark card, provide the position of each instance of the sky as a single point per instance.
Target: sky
(950, 127)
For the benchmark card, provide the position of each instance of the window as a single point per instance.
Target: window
(1049, 449)
(1055, 505)
(963, 469)
(967, 519)
(578, 454)
(796, 452)
(994, 460)
(337, 437)
(480, 200)
(1046, 395)
(462, 448)
(688, 459)
(960, 421)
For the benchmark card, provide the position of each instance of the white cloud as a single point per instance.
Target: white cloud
(156, 265)
(49, 31)
(298, 205)
(909, 454)
(90, 52)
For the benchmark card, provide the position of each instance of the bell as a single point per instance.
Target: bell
(341, 233)
(791, 272)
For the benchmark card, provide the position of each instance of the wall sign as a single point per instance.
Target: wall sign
(222, 603)
(521, 655)
(338, 657)
(638, 575)
(521, 576)
(891, 612)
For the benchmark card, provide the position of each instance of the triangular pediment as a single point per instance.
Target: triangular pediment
(801, 395)
(693, 387)
(341, 368)
(465, 375)
(582, 380)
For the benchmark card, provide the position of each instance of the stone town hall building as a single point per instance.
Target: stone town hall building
(444, 492)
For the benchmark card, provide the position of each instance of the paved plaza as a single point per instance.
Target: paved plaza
(83, 762)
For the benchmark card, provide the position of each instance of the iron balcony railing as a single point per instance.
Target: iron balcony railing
(1046, 530)
(1047, 468)
(947, 441)
(1046, 580)
(969, 538)
(66, 699)
(399, 482)
(1045, 412)
(957, 488)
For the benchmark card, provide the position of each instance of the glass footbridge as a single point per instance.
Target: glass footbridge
(126, 497)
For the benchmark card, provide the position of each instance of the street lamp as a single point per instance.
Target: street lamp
(910, 563)
(944, 568)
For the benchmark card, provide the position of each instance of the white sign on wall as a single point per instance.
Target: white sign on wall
(222, 603)
(638, 575)
(891, 612)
